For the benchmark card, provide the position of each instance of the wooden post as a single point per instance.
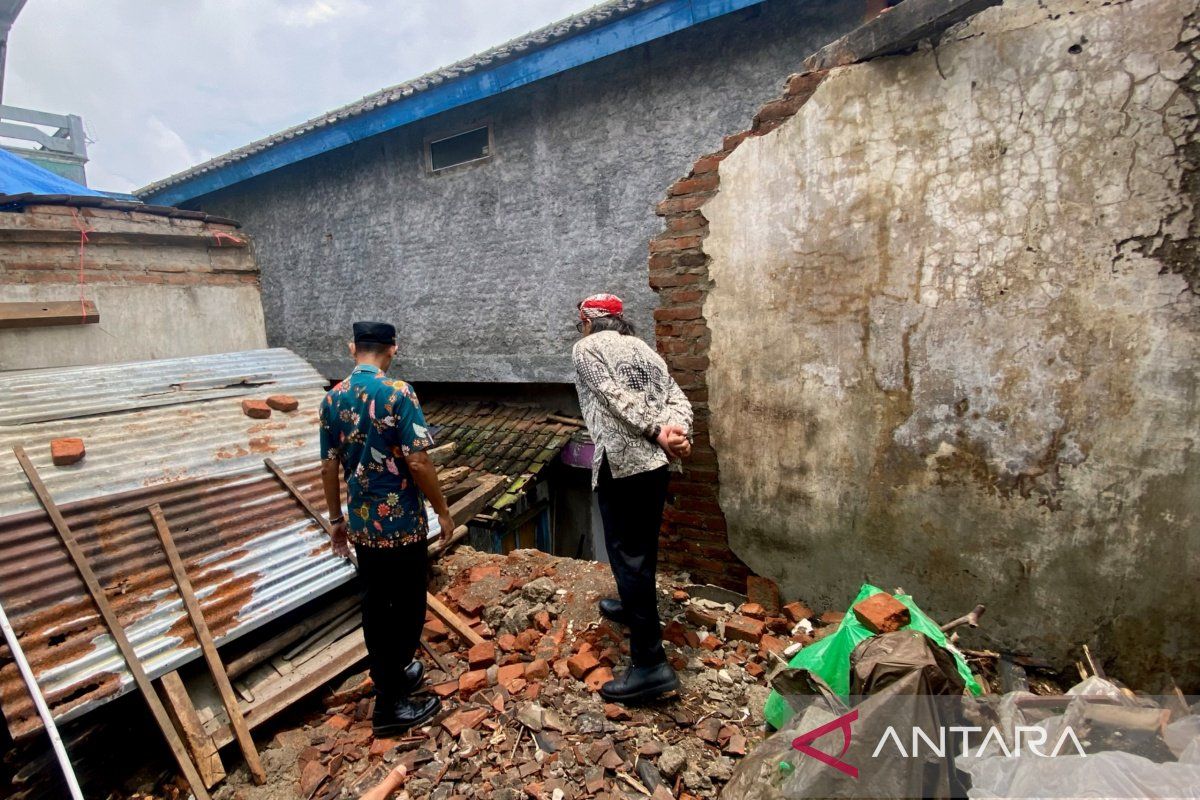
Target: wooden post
(114, 627)
(208, 647)
(200, 744)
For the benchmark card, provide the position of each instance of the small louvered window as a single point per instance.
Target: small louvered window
(462, 148)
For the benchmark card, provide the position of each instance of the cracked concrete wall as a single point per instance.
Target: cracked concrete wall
(955, 333)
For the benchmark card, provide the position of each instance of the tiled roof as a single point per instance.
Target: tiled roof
(502, 438)
(543, 37)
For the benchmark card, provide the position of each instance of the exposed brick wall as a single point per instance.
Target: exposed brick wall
(695, 536)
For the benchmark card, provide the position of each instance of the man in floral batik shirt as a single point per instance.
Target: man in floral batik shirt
(374, 434)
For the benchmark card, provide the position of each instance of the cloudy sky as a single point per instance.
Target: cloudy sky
(165, 84)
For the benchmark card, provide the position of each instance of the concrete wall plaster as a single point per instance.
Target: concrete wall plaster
(955, 332)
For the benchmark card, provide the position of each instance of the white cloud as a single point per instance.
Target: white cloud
(164, 85)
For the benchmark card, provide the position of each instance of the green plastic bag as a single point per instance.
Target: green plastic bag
(829, 658)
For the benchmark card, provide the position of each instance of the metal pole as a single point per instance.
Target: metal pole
(40, 702)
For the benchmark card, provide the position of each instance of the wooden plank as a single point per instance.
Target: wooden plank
(271, 699)
(116, 630)
(261, 652)
(452, 620)
(290, 485)
(207, 646)
(200, 744)
(49, 314)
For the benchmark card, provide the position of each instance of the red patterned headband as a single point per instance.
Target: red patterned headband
(601, 305)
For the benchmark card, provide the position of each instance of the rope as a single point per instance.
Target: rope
(83, 239)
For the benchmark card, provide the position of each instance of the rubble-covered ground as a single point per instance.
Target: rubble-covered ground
(521, 716)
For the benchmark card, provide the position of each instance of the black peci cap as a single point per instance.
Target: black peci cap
(374, 333)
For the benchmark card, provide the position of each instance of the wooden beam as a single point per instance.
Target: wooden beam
(287, 689)
(452, 620)
(207, 646)
(200, 744)
(116, 630)
(49, 314)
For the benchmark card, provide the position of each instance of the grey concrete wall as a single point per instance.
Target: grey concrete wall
(481, 267)
(137, 323)
(956, 333)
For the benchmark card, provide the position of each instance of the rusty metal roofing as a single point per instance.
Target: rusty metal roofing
(250, 549)
(502, 438)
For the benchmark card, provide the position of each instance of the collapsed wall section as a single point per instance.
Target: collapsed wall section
(942, 322)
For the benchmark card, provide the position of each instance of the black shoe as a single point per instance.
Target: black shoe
(613, 610)
(639, 684)
(399, 716)
(414, 673)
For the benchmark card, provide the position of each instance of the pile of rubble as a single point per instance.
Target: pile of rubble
(521, 715)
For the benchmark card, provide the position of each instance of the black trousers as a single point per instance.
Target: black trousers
(632, 509)
(392, 583)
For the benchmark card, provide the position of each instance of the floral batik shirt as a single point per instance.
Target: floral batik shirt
(369, 424)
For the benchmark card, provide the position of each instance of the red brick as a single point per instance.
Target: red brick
(765, 592)
(527, 640)
(755, 670)
(674, 632)
(598, 677)
(339, 722)
(797, 611)
(665, 280)
(664, 244)
(509, 673)
(471, 682)
(679, 205)
(542, 620)
(464, 719)
(381, 746)
(678, 313)
(580, 664)
(445, 689)
(707, 163)
(743, 629)
(482, 571)
(481, 655)
(506, 642)
(700, 617)
(701, 183)
(882, 613)
(283, 402)
(537, 669)
(804, 84)
(772, 644)
(753, 610)
(256, 409)
(679, 595)
(730, 143)
(64, 452)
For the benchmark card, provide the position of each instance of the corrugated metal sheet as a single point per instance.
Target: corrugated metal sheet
(39, 395)
(251, 551)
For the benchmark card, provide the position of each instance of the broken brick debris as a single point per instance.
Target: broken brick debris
(522, 718)
(882, 613)
(66, 451)
(256, 409)
(283, 402)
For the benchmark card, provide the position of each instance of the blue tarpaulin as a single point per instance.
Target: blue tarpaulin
(18, 176)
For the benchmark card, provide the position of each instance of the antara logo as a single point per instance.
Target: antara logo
(803, 743)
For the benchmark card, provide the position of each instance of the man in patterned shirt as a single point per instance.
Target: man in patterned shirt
(373, 432)
(641, 422)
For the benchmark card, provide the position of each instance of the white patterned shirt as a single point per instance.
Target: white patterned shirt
(625, 391)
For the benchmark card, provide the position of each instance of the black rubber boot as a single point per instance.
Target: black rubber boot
(612, 609)
(641, 684)
(397, 717)
(414, 673)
